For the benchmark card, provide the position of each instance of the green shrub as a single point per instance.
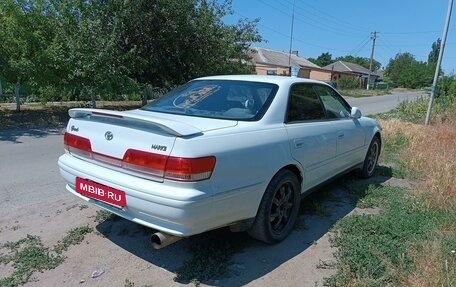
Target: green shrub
(346, 82)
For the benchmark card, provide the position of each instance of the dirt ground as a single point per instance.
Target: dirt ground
(123, 251)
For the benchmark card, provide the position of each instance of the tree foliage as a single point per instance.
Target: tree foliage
(81, 49)
(364, 62)
(347, 82)
(323, 60)
(434, 54)
(326, 58)
(176, 40)
(406, 71)
(86, 50)
(25, 31)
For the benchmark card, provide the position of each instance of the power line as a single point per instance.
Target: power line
(309, 21)
(412, 32)
(305, 14)
(331, 18)
(361, 46)
(295, 38)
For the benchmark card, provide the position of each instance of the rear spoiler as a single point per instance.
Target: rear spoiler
(172, 127)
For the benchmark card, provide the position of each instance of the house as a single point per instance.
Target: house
(271, 62)
(340, 68)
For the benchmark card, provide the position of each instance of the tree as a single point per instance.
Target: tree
(405, 71)
(434, 54)
(323, 60)
(86, 51)
(365, 62)
(1, 88)
(87, 48)
(177, 40)
(24, 34)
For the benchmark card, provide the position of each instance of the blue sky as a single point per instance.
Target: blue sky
(344, 27)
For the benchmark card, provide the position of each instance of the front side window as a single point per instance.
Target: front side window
(335, 106)
(304, 104)
(220, 99)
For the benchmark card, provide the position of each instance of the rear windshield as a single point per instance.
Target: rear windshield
(220, 99)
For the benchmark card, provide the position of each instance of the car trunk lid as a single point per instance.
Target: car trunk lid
(121, 140)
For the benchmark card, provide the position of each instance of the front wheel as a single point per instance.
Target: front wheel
(278, 208)
(370, 162)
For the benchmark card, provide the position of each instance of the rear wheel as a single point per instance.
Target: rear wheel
(370, 162)
(278, 208)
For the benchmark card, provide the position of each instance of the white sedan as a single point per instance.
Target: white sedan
(236, 151)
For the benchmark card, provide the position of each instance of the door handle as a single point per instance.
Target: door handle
(298, 143)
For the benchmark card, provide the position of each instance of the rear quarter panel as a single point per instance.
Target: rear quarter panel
(247, 157)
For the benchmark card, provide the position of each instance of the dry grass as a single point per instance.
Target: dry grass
(432, 266)
(426, 273)
(430, 153)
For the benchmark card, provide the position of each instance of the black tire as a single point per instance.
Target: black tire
(370, 162)
(278, 209)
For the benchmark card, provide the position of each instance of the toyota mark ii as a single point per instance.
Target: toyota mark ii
(236, 151)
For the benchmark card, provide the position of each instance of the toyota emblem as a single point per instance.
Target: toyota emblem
(109, 135)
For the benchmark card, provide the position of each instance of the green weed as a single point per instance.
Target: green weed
(81, 206)
(360, 93)
(73, 237)
(376, 247)
(27, 256)
(391, 153)
(103, 215)
(208, 260)
(129, 283)
(414, 112)
(368, 195)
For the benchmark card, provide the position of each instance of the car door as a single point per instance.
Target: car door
(312, 140)
(350, 133)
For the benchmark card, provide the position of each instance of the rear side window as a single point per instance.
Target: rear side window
(304, 104)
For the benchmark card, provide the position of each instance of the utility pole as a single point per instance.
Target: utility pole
(291, 34)
(373, 37)
(439, 61)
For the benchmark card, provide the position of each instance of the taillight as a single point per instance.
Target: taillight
(145, 162)
(77, 145)
(164, 166)
(174, 168)
(189, 169)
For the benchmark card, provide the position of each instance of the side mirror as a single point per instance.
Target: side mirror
(355, 113)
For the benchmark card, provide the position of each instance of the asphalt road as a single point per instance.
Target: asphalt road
(28, 169)
(28, 159)
(381, 104)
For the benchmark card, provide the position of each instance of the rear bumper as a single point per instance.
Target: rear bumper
(180, 209)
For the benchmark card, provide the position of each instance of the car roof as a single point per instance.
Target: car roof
(279, 80)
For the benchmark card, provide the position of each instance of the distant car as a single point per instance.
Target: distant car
(236, 151)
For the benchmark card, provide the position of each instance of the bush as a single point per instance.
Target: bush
(382, 86)
(346, 82)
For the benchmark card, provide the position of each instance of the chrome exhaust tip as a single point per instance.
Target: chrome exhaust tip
(160, 240)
